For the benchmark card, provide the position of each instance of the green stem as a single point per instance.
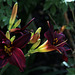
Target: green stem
(28, 54)
(31, 52)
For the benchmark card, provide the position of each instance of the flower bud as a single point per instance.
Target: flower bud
(35, 36)
(17, 23)
(38, 30)
(36, 44)
(12, 39)
(8, 34)
(13, 15)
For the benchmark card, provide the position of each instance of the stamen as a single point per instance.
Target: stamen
(55, 41)
(8, 50)
(61, 43)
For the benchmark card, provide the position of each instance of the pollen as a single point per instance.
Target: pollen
(55, 41)
(8, 50)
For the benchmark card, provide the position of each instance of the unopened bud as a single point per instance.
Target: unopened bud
(8, 34)
(35, 36)
(38, 30)
(36, 44)
(13, 15)
(17, 23)
(12, 39)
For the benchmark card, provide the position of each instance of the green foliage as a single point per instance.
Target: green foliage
(5, 11)
(71, 71)
(57, 8)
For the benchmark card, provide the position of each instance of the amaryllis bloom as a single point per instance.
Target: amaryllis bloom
(11, 51)
(55, 41)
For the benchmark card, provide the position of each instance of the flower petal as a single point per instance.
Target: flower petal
(23, 28)
(3, 39)
(46, 47)
(22, 41)
(65, 58)
(3, 62)
(2, 54)
(62, 49)
(49, 34)
(2, 35)
(17, 58)
(60, 37)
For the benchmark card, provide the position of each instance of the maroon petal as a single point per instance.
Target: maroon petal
(63, 50)
(2, 35)
(50, 33)
(27, 24)
(2, 55)
(1, 46)
(18, 59)
(3, 62)
(22, 41)
(65, 58)
(49, 36)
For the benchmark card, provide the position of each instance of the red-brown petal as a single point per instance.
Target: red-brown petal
(22, 41)
(3, 62)
(17, 58)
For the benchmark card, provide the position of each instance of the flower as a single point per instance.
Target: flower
(11, 51)
(55, 41)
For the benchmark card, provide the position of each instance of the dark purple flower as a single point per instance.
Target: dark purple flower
(11, 52)
(55, 41)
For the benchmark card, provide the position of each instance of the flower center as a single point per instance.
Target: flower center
(55, 41)
(8, 50)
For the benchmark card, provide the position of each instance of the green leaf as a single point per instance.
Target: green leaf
(53, 10)
(47, 5)
(9, 2)
(71, 5)
(59, 72)
(63, 7)
(0, 0)
(71, 71)
(2, 24)
(4, 68)
(14, 0)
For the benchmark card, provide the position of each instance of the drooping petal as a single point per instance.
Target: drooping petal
(63, 50)
(3, 62)
(2, 35)
(3, 39)
(2, 54)
(66, 47)
(1, 46)
(17, 58)
(47, 47)
(50, 33)
(22, 41)
(27, 24)
(65, 58)
(49, 36)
